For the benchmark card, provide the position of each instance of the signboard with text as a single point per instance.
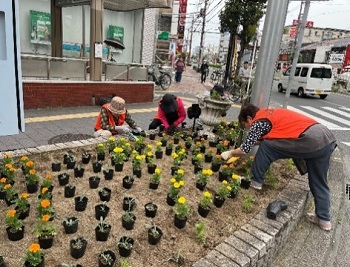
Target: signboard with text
(292, 32)
(116, 32)
(181, 24)
(336, 58)
(40, 25)
(309, 24)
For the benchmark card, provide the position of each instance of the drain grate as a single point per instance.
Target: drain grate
(68, 138)
(347, 190)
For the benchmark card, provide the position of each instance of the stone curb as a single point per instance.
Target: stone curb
(256, 244)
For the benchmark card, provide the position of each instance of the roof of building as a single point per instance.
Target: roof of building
(333, 43)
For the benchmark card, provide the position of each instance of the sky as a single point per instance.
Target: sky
(330, 14)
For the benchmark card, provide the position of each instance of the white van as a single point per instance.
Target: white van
(309, 79)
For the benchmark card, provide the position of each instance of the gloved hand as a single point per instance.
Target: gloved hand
(226, 155)
(172, 128)
(122, 129)
(138, 130)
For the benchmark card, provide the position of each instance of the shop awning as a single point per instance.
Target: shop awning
(128, 5)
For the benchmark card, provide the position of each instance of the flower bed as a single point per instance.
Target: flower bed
(186, 242)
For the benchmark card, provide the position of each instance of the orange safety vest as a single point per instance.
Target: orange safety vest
(111, 121)
(177, 110)
(285, 123)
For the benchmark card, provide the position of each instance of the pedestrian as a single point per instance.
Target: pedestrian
(180, 67)
(243, 75)
(112, 118)
(171, 112)
(288, 134)
(204, 71)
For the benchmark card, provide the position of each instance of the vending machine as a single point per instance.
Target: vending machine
(11, 94)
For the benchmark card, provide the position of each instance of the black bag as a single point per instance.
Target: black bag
(106, 99)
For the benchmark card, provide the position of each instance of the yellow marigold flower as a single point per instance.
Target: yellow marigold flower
(127, 144)
(172, 180)
(199, 156)
(159, 143)
(138, 157)
(180, 171)
(100, 145)
(7, 155)
(181, 183)
(45, 203)
(112, 139)
(32, 172)
(157, 171)
(122, 139)
(118, 150)
(174, 155)
(164, 134)
(207, 194)
(229, 188)
(224, 166)
(11, 213)
(34, 248)
(44, 190)
(181, 200)
(224, 182)
(182, 151)
(244, 163)
(143, 156)
(8, 166)
(48, 176)
(149, 154)
(198, 143)
(134, 151)
(7, 186)
(29, 163)
(24, 158)
(235, 176)
(149, 146)
(24, 195)
(210, 172)
(45, 218)
(176, 185)
(3, 180)
(251, 157)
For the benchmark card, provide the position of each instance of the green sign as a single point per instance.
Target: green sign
(163, 36)
(40, 25)
(116, 32)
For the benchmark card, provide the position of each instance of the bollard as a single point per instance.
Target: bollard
(274, 208)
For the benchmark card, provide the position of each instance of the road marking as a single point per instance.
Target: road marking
(346, 143)
(327, 115)
(328, 124)
(345, 114)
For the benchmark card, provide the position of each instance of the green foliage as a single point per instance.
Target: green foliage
(177, 258)
(200, 228)
(124, 263)
(270, 178)
(248, 202)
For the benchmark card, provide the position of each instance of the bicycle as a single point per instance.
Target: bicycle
(159, 77)
(216, 75)
(233, 91)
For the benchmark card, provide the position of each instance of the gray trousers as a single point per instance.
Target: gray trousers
(317, 165)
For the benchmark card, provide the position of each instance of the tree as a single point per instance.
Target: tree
(244, 13)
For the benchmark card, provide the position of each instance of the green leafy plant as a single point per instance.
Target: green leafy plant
(33, 255)
(200, 228)
(223, 191)
(248, 202)
(175, 188)
(79, 242)
(182, 209)
(22, 203)
(32, 177)
(105, 258)
(156, 176)
(203, 177)
(101, 148)
(177, 258)
(137, 161)
(13, 221)
(124, 263)
(206, 199)
(102, 225)
(44, 227)
(125, 242)
(118, 155)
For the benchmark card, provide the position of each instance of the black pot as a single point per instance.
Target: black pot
(63, 179)
(129, 225)
(218, 202)
(128, 203)
(127, 184)
(152, 136)
(15, 236)
(108, 175)
(232, 194)
(137, 173)
(32, 188)
(203, 211)
(212, 143)
(107, 196)
(151, 210)
(78, 172)
(168, 151)
(151, 169)
(71, 165)
(176, 141)
(152, 238)
(2, 194)
(77, 253)
(80, 204)
(170, 201)
(56, 166)
(70, 229)
(153, 185)
(188, 145)
(208, 158)
(215, 167)
(101, 157)
(102, 236)
(119, 167)
(102, 264)
(222, 176)
(94, 181)
(23, 215)
(86, 159)
(101, 211)
(96, 167)
(180, 222)
(46, 242)
(12, 201)
(197, 169)
(245, 184)
(125, 251)
(202, 149)
(69, 192)
(164, 143)
(201, 186)
(41, 264)
(174, 170)
(159, 154)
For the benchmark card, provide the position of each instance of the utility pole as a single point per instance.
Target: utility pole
(298, 26)
(191, 36)
(231, 48)
(203, 32)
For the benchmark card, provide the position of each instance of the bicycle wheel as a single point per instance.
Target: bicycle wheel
(212, 77)
(233, 92)
(165, 81)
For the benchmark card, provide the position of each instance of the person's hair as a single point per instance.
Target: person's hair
(245, 62)
(247, 110)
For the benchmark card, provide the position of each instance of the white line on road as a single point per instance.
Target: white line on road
(327, 115)
(346, 143)
(345, 114)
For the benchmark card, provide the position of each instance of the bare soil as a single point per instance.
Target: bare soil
(220, 223)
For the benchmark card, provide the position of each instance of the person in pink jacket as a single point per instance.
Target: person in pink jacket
(171, 113)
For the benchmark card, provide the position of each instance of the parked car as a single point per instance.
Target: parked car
(309, 79)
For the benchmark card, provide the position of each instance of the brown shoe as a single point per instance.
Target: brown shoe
(324, 225)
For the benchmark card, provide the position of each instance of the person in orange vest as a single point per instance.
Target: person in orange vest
(287, 134)
(171, 113)
(112, 118)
